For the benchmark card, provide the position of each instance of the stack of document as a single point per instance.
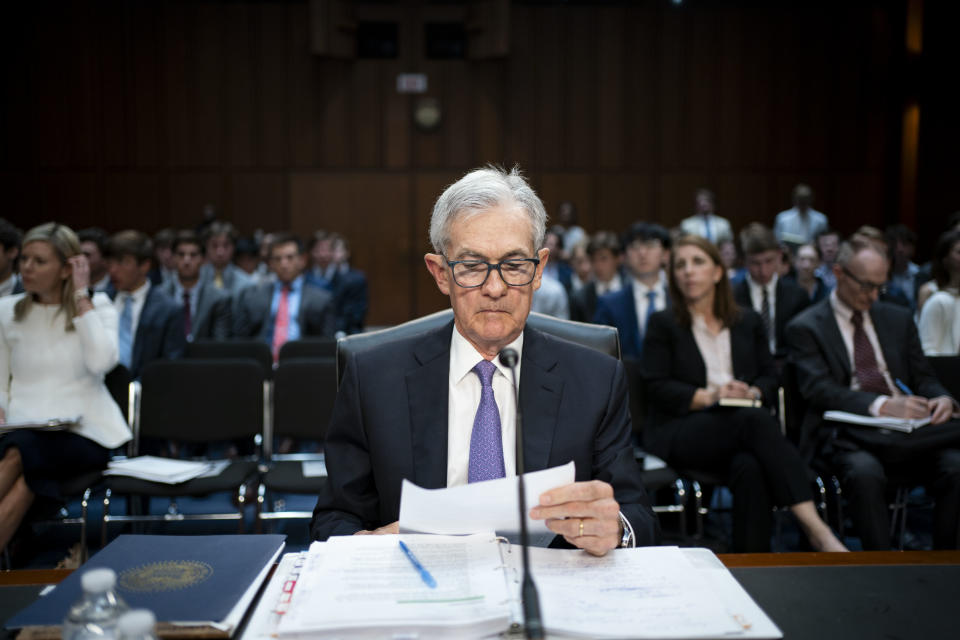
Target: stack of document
(907, 425)
(165, 470)
(51, 424)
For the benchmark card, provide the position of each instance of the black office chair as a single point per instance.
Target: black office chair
(309, 348)
(599, 337)
(947, 369)
(195, 401)
(304, 392)
(234, 348)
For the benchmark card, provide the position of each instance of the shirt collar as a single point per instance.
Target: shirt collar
(641, 289)
(770, 286)
(464, 357)
(139, 294)
(841, 308)
(295, 285)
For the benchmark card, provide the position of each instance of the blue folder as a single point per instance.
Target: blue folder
(180, 578)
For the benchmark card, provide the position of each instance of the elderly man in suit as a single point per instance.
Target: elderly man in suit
(855, 354)
(206, 309)
(151, 325)
(776, 299)
(647, 251)
(437, 408)
(288, 308)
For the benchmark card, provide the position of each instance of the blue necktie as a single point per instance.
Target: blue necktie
(486, 440)
(125, 341)
(651, 308)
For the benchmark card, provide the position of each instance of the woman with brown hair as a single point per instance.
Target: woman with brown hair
(701, 352)
(56, 344)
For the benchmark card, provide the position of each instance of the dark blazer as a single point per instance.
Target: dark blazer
(214, 319)
(390, 423)
(673, 368)
(159, 333)
(791, 300)
(252, 317)
(350, 300)
(619, 309)
(824, 370)
(583, 302)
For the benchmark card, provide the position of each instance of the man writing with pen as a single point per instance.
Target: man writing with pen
(437, 408)
(853, 353)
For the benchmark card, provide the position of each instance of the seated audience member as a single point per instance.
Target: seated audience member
(704, 222)
(246, 255)
(322, 266)
(873, 235)
(206, 309)
(573, 233)
(287, 309)
(800, 224)
(437, 408)
(828, 243)
(551, 299)
(558, 268)
(9, 252)
(855, 354)
(902, 242)
(163, 270)
(776, 299)
(220, 240)
(56, 344)
(807, 262)
(349, 287)
(646, 249)
(925, 285)
(705, 349)
(150, 325)
(940, 317)
(603, 250)
(93, 243)
(580, 263)
(731, 261)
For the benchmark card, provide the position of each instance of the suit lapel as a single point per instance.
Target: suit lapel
(540, 393)
(888, 338)
(427, 393)
(833, 338)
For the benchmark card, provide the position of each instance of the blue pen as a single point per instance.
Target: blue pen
(903, 387)
(424, 574)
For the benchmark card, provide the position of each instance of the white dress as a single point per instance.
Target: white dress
(940, 324)
(47, 371)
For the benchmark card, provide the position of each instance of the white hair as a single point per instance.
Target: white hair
(479, 191)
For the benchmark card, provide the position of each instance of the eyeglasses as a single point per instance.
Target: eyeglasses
(516, 272)
(865, 287)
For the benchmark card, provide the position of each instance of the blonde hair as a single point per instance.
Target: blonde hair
(65, 245)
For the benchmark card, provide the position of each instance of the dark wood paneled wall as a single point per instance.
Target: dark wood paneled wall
(137, 114)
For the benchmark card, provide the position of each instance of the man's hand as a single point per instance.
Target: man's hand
(735, 389)
(393, 527)
(940, 409)
(911, 407)
(584, 513)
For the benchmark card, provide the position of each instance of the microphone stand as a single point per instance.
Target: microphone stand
(532, 623)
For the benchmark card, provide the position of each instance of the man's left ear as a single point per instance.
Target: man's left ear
(544, 256)
(436, 265)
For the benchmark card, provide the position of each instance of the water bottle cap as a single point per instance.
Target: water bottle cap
(136, 622)
(98, 580)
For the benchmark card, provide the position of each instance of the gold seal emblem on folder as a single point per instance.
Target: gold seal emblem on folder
(170, 575)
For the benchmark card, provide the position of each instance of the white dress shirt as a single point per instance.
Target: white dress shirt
(613, 284)
(716, 352)
(756, 298)
(940, 324)
(796, 228)
(139, 298)
(640, 292)
(844, 315)
(8, 285)
(464, 399)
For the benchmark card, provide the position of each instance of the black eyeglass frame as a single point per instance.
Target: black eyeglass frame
(490, 267)
(865, 287)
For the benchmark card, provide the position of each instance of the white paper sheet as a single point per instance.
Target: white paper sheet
(156, 469)
(480, 506)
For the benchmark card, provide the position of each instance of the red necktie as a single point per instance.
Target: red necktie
(865, 360)
(281, 324)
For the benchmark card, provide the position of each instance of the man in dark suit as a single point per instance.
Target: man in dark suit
(858, 355)
(331, 270)
(647, 250)
(150, 324)
(206, 309)
(288, 309)
(776, 299)
(603, 250)
(405, 409)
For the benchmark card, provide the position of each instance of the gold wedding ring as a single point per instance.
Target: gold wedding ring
(581, 527)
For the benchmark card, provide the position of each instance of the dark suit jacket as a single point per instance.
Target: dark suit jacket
(350, 300)
(791, 300)
(252, 318)
(214, 319)
(824, 370)
(619, 309)
(390, 423)
(673, 368)
(159, 331)
(583, 302)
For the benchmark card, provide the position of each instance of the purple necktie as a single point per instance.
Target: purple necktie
(486, 440)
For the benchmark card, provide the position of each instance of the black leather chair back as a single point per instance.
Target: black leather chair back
(234, 348)
(309, 348)
(304, 390)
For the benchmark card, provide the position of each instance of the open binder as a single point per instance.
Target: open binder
(364, 586)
